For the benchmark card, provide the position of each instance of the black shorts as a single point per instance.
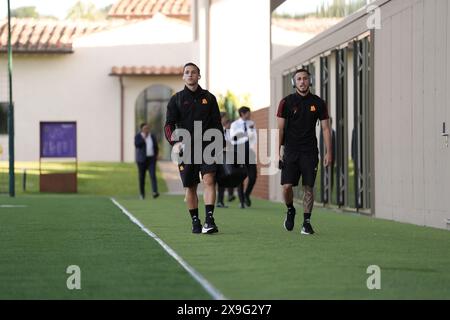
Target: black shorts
(300, 165)
(189, 173)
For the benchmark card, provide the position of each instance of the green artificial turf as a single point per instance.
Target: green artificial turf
(253, 257)
(94, 178)
(117, 260)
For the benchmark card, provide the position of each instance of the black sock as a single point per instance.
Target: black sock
(307, 217)
(290, 206)
(194, 213)
(209, 209)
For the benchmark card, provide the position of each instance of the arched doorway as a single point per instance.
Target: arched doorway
(151, 107)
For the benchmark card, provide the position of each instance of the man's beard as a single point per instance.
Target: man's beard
(304, 91)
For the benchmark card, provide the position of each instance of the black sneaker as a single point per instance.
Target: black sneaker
(209, 226)
(231, 199)
(307, 228)
(155, 195)
(242, 206)
(196, 226)
(221, 205)
(248, 202)
(290, 220)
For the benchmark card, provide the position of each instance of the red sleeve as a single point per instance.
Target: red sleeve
(281, 113)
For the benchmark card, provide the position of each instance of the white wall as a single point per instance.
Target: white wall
(284, 40)
(78, 87)
(158, 30)
(240, 49)
(133, 88)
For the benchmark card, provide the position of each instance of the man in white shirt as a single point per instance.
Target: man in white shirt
(244, 138)
(226, 123)
(146, 156)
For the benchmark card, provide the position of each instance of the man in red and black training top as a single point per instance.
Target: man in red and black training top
(297, 115)
(184, 108)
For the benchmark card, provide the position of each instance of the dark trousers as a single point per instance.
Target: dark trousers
(150, 165)
(221, 193)
(251, 174)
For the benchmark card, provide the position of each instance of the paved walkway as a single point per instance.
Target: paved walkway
(170, 174)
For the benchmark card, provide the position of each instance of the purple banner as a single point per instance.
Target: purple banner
(58, 140)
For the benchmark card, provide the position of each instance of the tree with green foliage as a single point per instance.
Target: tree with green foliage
(106, 9)
(86, 11)
(25, 12)
(337, 9)
(230, 103)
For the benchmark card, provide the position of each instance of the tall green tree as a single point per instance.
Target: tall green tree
(106, 9)
(230, 103)
(85, 10)
(337, 9)
(25, 12)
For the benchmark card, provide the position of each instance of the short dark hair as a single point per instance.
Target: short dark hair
(192, 65)
(142, 125)
(243, 110)
(301, 70)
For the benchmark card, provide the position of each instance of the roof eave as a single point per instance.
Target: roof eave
(144, 75)
(38, 51)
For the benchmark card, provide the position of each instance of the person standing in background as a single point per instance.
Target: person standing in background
(226, 123)
(243, 137)
(146, 157)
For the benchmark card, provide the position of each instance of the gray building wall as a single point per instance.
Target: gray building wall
(411, 164)
(412, 91)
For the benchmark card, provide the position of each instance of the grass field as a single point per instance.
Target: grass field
(117, 261)
(94, 178)
(252, 257)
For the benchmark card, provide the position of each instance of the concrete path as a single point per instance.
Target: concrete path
(170, 174)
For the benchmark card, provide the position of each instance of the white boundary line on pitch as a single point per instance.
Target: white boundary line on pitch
(215, 294)
(12, 206)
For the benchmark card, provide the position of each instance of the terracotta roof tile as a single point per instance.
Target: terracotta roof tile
(47, 36)
(146, 71)
(143, 9)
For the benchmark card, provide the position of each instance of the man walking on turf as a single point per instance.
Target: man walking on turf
(184, 108)
(243, 137)
(297, 115)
